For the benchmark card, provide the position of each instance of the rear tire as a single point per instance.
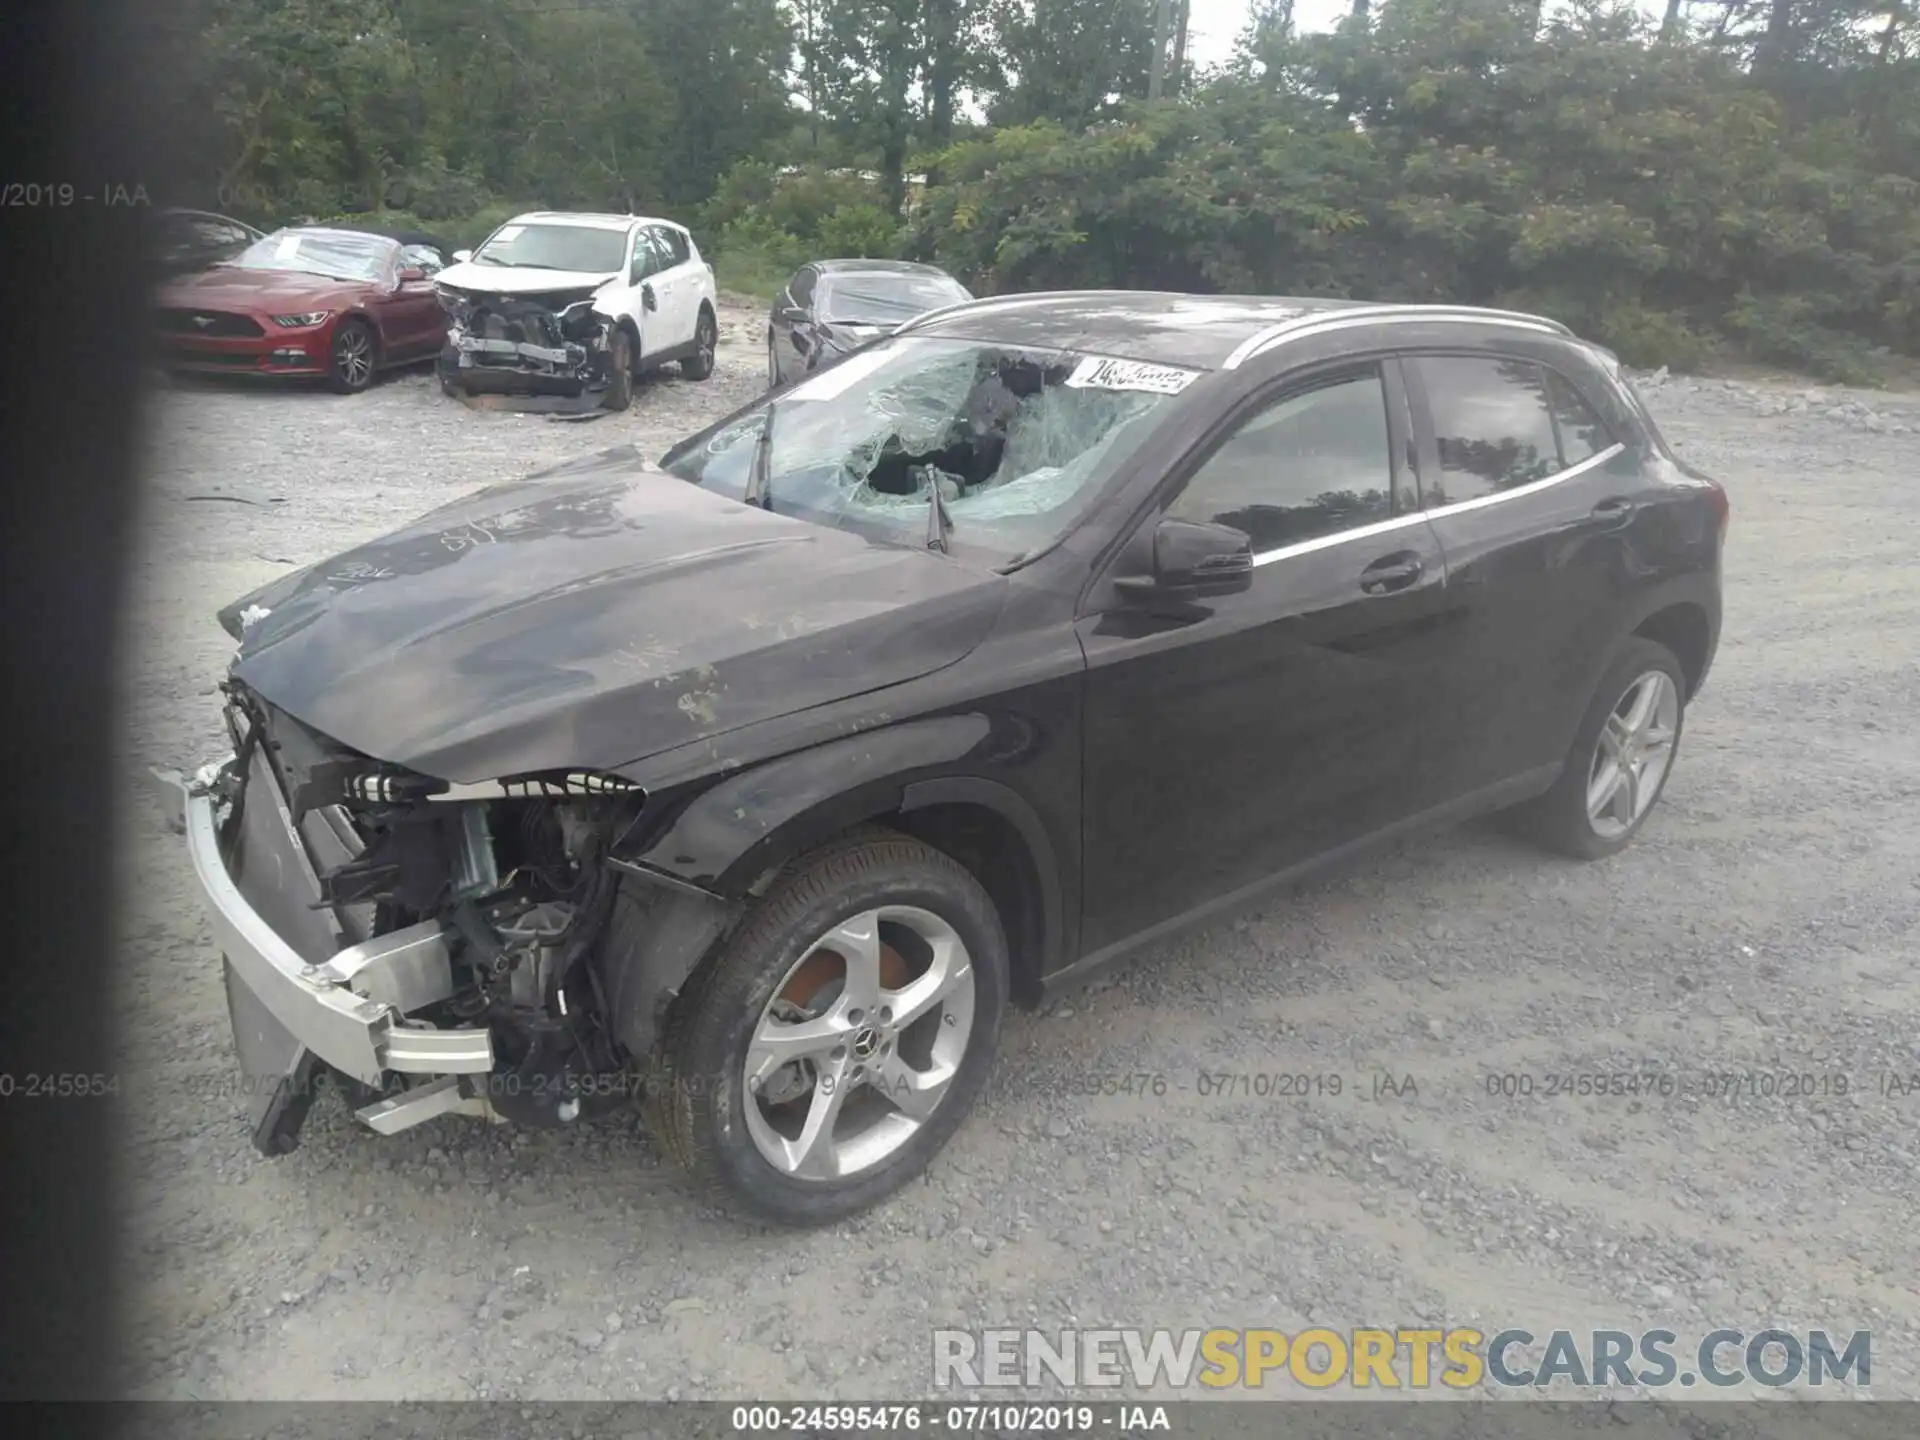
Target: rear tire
(1619, 761)
(782, 1021)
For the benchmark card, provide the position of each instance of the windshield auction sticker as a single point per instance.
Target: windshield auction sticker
(1100, 373)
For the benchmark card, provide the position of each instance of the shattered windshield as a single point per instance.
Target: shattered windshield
(880, 298)
(337, 254)
(589, 248)
(1017, 439)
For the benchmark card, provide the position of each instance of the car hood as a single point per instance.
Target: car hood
(280, 291)
(519, 280)
(592, 616)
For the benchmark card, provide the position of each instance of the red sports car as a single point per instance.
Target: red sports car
(311, 300)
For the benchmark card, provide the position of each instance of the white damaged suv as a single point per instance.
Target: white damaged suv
(575, 304)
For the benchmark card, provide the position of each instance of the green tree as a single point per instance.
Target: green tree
(1072, 61)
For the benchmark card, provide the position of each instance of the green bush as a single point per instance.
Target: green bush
(770, 221)
(1788, 330)
(754, 258)
(1649, 338)
(470, 230)
(436, 193)
(858, 231)
(459, 233)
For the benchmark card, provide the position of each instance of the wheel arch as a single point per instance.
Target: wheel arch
(348, 317)
(631, 328)
(992, 830)
(1683, 627)
(731, 840)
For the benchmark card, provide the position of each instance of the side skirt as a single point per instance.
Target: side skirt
(1523, 786)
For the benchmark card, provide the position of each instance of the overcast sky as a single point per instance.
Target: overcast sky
(1213, 25)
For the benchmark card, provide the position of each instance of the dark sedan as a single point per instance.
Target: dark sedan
(759, 783)
(313, 300)
(832, 307)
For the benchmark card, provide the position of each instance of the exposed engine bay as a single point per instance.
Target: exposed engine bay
(551, 341)
(516, 878)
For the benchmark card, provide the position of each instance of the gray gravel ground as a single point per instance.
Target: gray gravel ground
(1764, 921)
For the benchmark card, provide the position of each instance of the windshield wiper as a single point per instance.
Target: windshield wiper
(939, 522)
(760, 472)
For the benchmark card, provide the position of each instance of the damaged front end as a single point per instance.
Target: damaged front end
(431, 947)
(549, 343)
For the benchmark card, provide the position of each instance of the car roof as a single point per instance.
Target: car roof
(1208, 332)
(592, 219)
(877, 267)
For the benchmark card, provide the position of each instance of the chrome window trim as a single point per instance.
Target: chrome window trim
(1302, 327)
(1322, 542)
(1479, 502)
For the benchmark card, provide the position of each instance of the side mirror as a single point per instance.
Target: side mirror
(646, 298)
(1193, 560)
(412, 274)
(463, 255)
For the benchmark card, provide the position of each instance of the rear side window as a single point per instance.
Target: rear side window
(1583, 434)
(1313, 463)
(1492, 422)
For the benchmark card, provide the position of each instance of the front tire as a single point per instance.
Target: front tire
(1620, 758)
(706, 342)
(620, 371)
(355, 352)
(840, 1036)
(447, 368)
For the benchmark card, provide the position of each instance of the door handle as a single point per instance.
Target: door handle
(1615, 509)
(1390, 573)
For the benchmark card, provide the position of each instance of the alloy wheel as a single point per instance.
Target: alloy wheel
(353, 354)
(1632, 755)
(859, 1044)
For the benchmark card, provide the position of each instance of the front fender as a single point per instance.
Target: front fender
(732, 835)
(684, 881)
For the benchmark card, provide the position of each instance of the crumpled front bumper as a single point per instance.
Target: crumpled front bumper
(567, 360)
(348, 1010)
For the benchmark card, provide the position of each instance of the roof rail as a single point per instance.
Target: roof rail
(1318, 322)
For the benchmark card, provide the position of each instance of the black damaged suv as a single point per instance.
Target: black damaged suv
(754, 785)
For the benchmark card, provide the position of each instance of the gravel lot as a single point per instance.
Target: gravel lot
(1766, 921)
